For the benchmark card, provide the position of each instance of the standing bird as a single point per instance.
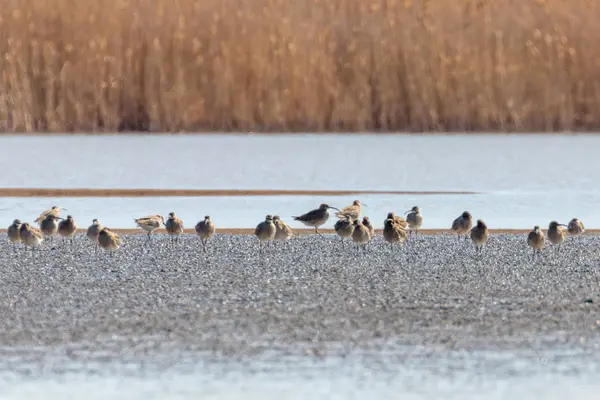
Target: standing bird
(397, 220)
(414, 219)
(479, 235)
(150, 223)
(30, 236)
(344, 227)
(575, 227)
(556, 233)
(462, 224)
(392, 232)
(282, 230)
(109, 240)
(205, 229)
(174, 227)
(54, 211)
(67, 228)
(49, 225)
(14, 234)
(361, 234)
(367, 222)
(265, 231)
(316, 217)
(93, 231)
(352, 211)
(536, 240)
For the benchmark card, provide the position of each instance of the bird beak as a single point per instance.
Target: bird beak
(335, 208)
(407, 212)
(563, 225)
(64, 209)
(364, 204)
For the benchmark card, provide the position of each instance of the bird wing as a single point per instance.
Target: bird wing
(313, 214)
(456, 223)
(531, 237)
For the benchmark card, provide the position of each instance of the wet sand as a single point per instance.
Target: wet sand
(310, 295)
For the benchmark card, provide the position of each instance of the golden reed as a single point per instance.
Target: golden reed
(304, 65)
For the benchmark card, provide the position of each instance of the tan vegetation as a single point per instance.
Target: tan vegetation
(304, 65)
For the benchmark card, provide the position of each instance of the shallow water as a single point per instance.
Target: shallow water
(563, 169)
(409, 373)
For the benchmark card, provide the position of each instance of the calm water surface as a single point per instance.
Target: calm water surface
(419, 374)
(523, 180)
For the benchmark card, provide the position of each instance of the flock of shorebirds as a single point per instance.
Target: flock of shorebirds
(349, 225)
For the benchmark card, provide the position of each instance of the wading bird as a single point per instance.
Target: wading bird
(93, 231)
(462, 224)
(479, 235)
(282, 230)
(536, 240)
(316, 217)
(150, 223)
(205, 229)
(414, 219)
(67, 228)
(352, 211)
(14, 232)
(174, 227)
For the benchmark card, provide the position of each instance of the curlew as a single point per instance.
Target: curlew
(575, 227)
(282, 230)
(479, 235)
(536, 240)
(352, 211)
(556, 233)
(392, 232)
(49, 225)
(361, 234)
(414, 219)
(150, 223)
(13, 232)
(316, 217)
(367, 222)
(205, 229)
(54, 211)
(109, 240)
(344, 227)
(396, 219)
(67, 228)
(265, 231)
(30, 236)
(93, 231)
(462, 224)
(174, 227)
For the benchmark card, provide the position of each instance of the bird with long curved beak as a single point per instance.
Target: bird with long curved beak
(316, 217)
(352, 211)
(556, 233)
(54, 212)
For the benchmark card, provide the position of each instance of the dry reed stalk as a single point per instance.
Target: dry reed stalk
(278, 65)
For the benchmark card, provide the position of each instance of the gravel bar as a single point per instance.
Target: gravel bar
(305, 294)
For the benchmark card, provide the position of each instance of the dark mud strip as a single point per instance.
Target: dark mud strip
(44, 192)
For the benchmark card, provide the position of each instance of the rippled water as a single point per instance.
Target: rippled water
(523, 179)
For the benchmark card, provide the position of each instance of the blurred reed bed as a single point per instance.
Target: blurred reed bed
(303, 65)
